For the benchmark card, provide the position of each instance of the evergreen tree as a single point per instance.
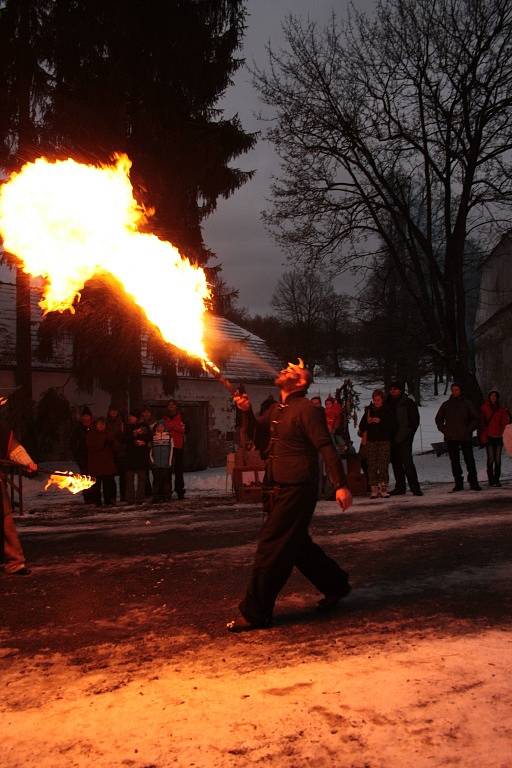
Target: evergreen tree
(24, 88)
(136, 78)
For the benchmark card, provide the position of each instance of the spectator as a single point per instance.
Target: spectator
(137, 442)
(316, 400)
(115, 428)
(175, 426)
(148, 420)
(79, 449)
(101, 463)
(146, 417)
(11, 550)
(457, 419)
(161, 461)
(378, 424)
(363, 453)
(493, 420)
(407, 421)
(333, 411)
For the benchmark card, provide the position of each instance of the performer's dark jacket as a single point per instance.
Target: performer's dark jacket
(289, 436)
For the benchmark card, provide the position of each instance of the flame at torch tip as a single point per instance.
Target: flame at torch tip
(68, 221)
(70, 482)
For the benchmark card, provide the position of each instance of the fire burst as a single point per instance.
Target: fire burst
(70, 481)
(67, 222)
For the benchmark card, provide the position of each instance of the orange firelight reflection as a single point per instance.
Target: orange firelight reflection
(70, 482)
(68, 221)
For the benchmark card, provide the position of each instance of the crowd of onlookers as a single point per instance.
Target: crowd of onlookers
(390, 422)
(143, 453)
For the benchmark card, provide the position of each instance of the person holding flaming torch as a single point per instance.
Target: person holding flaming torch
(12, 450)
(290, 434)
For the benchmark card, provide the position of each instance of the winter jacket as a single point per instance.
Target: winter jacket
(291, 435)
(115, 428)
(137, 456)
(333, 413)
(100, 453)
(457, 419)
(176, 427)
(493, 420)
(161, 450)
(407, 417)
(384, 430)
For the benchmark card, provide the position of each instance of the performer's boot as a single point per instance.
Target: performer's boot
(384, 491)
(374, 492)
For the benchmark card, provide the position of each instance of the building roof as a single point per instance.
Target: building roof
(239, 353)
(247, 356)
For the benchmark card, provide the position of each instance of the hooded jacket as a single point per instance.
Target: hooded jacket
(493, 419)
(176, 427)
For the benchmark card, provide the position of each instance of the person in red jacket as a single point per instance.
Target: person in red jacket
(333, 413)
(101, 463)
(175, 426)
(493, 420)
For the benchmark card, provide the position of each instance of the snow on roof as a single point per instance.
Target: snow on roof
(241, 355)
(247, 357)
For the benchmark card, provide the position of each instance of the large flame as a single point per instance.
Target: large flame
(67, 221)
(70, 482)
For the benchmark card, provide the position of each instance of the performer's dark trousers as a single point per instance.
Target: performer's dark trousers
(177, 470)
(284, 542)
(494, 449)
(403, 465)
(454, 447)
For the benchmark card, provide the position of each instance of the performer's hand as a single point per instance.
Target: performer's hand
(344, 498)
(242, 402)
(32, 467)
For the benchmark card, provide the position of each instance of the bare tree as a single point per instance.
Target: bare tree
(396, 129)
(389, 334)
(314, 316)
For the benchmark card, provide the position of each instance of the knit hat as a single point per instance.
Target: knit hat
(395, 384)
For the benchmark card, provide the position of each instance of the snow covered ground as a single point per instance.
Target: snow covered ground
(432, 470)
